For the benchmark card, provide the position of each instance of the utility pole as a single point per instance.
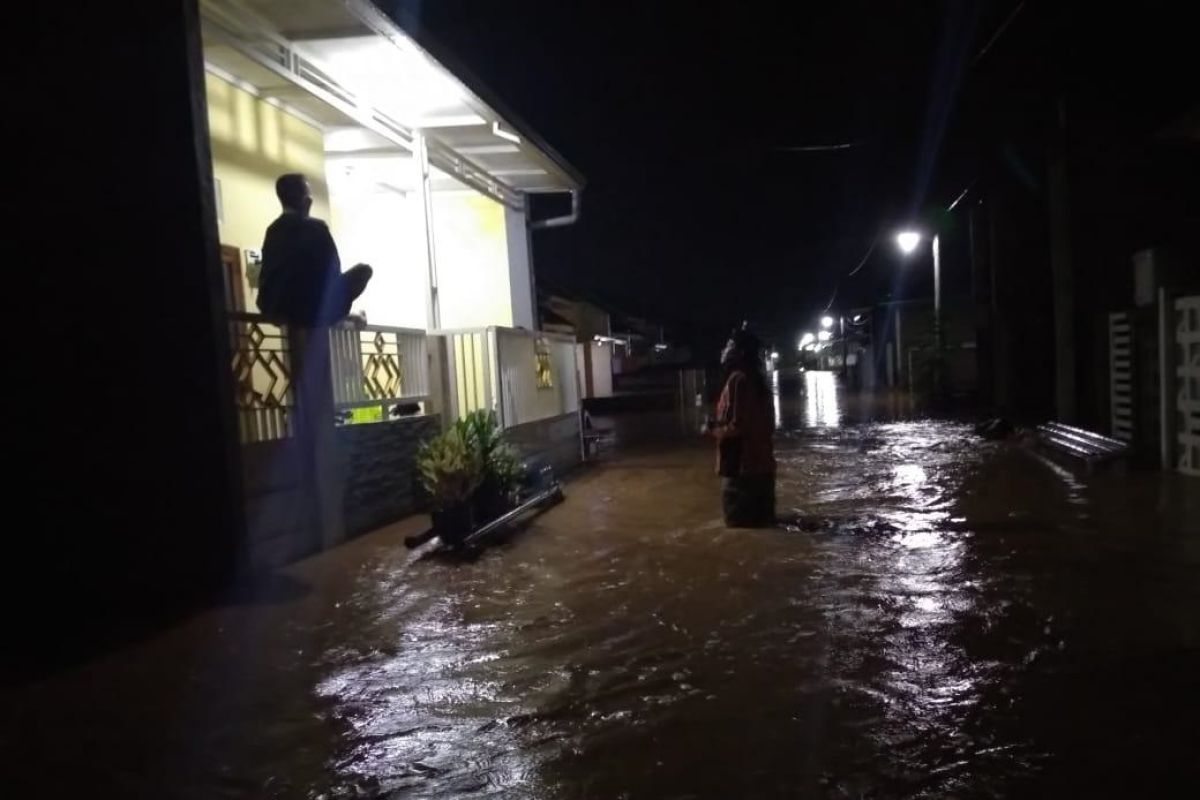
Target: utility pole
(1062, 273)
(937, 319)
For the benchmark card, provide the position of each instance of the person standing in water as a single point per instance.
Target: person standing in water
(744, 427)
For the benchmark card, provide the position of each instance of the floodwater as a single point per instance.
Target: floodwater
(943, 617)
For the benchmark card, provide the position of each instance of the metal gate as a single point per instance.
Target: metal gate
(1120, 375)
(1187, 383)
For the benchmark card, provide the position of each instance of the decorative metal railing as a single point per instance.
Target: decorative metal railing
(378, 366)
(372, 367)
(262, 373)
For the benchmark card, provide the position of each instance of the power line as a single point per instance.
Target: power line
(999, 32)
(817, 148)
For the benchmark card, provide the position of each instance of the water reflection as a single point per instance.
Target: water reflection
(776, 398)
(821, 400)
(934, 629)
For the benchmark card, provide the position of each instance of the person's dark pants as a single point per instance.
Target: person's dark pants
(346, 289)
(749, 501)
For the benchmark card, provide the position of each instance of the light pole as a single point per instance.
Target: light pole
(908, 241)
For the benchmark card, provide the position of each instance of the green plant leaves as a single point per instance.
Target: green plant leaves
(453, 465)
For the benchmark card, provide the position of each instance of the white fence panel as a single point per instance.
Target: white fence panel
(377, 365)
(538, 376)
(470, 363)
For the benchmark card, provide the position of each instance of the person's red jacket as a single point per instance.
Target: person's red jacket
(744, 428)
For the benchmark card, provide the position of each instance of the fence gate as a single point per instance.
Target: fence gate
(1187, 382)
(1120, 374)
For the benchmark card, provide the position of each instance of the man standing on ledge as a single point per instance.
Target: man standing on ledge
(744, 429)
(301, 283)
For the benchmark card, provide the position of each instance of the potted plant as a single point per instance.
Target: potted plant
(500, 466)
(450, 472)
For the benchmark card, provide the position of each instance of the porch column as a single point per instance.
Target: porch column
(433, 312)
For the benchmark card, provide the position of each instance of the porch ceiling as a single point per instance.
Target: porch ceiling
(368, 73)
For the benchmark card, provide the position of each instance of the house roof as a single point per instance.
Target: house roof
(354, 71)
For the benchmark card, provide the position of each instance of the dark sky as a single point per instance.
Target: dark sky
(686, 121)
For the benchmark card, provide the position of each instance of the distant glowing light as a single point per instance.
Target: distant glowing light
(908, 241)
(824, 336)
(807, 339)
(826, 322)
(774, 355)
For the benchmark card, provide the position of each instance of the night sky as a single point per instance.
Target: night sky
(694, 129)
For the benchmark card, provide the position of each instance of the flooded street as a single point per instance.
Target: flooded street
(943, 617)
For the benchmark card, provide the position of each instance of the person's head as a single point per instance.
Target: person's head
(293, 193)
(741, 350)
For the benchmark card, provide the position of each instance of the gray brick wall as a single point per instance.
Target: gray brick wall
(279, 518)
(381, 483)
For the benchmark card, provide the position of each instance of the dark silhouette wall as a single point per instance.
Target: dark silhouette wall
(124, 454)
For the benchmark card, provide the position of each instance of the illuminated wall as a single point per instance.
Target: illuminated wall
(602, 369)
(471, 251)
(520, 269)
(253, 143)
(377, 221)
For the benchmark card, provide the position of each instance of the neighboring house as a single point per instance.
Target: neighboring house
(589, 325)
(427, 181)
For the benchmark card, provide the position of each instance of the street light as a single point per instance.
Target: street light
(826, 322)
(824, 336)
(908, 241)
(806, 339)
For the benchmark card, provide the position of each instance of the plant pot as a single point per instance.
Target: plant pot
(453, 523)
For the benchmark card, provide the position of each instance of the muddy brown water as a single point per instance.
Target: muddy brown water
(944, 617)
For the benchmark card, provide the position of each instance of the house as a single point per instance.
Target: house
(428, 182)
(590, 327)
(151, 145)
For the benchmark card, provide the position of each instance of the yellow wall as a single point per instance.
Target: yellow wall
(253, 143)
(471, 251)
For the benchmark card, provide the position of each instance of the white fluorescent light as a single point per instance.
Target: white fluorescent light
(503, 134)
(488, 149)
(452, 121)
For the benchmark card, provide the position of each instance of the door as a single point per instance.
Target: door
(231, 271)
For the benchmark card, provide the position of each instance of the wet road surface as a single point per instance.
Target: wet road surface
(945, 617)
